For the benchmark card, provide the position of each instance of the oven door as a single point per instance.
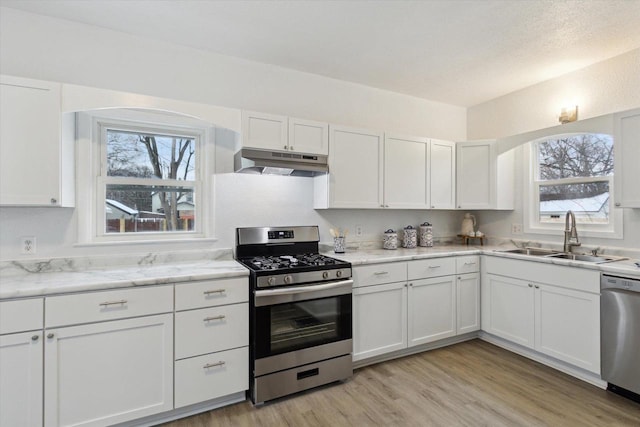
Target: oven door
(302, 317)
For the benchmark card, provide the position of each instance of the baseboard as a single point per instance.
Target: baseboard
(575, 372)
(414, 350)
(187, 411)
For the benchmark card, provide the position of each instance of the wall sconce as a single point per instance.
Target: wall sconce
(568, 115)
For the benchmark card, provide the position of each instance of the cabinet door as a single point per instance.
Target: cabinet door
(21, 379)
(627, 159)
(355, 168)
(468, 303)
(308, 136)
(511, 309)
(30, 156)
(264, 131)
(442, 174)
(405, 172)
(432, 310)
(379, 320)
(475, 172)
(568, 326)
(106, 373)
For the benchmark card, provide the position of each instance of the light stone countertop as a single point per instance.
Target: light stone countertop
(28, 279)
(626, 268)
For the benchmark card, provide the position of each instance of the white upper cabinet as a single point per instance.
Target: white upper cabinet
(405, 172)
(484, 178)
(442, 174)
(355, 170)
(308, 136)
(282, 133)
(36, 162)
(627, 159)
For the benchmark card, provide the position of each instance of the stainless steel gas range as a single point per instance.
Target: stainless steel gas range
(300, 314)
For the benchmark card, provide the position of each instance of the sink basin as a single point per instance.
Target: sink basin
(599, 259)
(531, 251)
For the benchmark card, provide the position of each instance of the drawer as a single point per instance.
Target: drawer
(467, 264)
(210, 293)
(365, 275)
(209, 330)
(425, 268)
(211, 376)
(107, 305)
(21, 315)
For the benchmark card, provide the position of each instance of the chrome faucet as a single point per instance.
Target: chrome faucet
(570, 232)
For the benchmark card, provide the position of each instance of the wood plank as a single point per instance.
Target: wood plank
(468, 384)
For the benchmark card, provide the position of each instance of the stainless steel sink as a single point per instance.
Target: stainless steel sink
(597, 259)
(531, 251)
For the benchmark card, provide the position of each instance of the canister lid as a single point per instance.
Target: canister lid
(409, 227)
(426, 224)
(389, 231)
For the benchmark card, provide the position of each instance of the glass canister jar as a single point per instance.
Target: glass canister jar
(410, 240)
(390, 240)
(426, 235)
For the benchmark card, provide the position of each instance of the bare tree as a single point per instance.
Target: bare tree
(587, 155)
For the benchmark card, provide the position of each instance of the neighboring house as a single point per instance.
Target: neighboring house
(186, 207)
(117, 210)
(586, 210)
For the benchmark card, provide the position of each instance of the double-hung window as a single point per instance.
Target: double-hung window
(573, 172)
(147, 179)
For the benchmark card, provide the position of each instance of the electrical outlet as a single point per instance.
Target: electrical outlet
(359, 230)
(28, 245)
(516, 228)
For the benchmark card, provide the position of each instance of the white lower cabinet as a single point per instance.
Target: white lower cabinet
(111, 372)
(211, 376)
(379, 319)
(21, 379)
(553, 320)
(432, 309)
(425, 302)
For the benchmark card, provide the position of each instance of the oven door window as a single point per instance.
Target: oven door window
(292, 326)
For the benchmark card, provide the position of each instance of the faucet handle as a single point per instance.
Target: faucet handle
(594, 252)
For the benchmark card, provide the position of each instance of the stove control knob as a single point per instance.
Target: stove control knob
(287, 279)
(339, 273)
(325, 275)
(271, 281)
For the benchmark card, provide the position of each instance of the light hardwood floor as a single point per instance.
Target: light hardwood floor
(470, 384)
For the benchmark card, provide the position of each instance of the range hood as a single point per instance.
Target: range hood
(250, 160)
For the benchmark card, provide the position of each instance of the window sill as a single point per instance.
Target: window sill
(145, 242)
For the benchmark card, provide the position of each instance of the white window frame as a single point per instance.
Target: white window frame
(92, 179)
(531, 197)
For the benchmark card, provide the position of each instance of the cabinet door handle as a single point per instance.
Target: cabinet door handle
(35, 337)
(380, 273)
(108, 303)
(209, 319)
(291, 147)
(285, 147)
(213, 365)
(50, 335)
(537, 287)
(215, 291)
(54, 201)
(618, 204)
(530, 285)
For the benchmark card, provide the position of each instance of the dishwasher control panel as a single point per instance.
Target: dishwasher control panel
(616, 282)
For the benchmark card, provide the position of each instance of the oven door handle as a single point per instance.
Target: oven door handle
(302, 293)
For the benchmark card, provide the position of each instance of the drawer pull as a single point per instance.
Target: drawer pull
(215, 291)
(470, 263)
(213, 365)
(209, 319)
(108, 303)
(434, 266)
(380, 273)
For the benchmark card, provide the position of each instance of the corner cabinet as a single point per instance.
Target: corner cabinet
(36, 145)
(484, 178)
(282, 133)
(627, 158)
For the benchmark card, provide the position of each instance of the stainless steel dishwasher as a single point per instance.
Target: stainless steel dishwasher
(620, 334)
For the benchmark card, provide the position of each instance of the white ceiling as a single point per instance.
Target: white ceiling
(461, 52)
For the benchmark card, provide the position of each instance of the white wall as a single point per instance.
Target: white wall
(51, 49)
(603, 88)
